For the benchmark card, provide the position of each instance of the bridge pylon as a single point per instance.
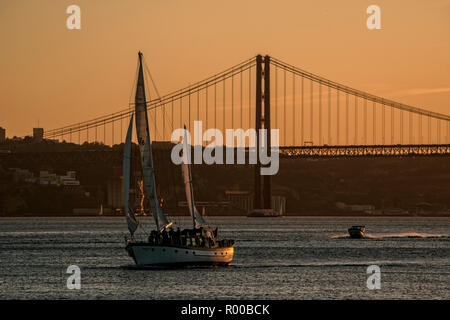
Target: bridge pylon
(263, 192)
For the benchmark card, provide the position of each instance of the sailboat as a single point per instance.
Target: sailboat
(165, 246)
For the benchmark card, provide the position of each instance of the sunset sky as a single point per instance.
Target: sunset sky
(58, 76)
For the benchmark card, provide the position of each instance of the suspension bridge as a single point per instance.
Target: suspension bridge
(315, 116)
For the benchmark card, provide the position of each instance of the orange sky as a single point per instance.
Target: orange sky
(60, 76)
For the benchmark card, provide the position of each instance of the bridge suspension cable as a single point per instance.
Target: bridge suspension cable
(154, 103)
(323, 112)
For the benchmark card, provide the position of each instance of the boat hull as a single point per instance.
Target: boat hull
(145, 254)
(356, 233)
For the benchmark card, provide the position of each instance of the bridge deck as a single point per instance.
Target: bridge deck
(115, 156)
(365, 150)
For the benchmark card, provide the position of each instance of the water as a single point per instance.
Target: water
(275, 258)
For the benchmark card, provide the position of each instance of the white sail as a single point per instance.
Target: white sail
(129, 214)
(145, 148)
(187, 177)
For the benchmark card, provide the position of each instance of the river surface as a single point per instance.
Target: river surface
(275, 258)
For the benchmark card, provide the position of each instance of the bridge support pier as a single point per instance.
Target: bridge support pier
(257, 198)
(267, 178)
(262, 193)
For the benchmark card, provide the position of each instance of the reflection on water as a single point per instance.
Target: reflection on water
(392, 235)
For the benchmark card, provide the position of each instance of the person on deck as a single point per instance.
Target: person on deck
(157, 237)
(171, 236)
(165, 237)
(178, 236)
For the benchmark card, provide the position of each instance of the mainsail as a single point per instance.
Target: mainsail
(187, 177)
(129, 214)
(145, 148)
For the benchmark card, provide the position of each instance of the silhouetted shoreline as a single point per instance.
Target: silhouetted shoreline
(397, 186)
(348, 214)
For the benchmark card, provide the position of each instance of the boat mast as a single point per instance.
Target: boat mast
(197, 219)
(192, 198)
(190, 183)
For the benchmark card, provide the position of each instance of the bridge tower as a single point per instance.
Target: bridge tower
(262, 192)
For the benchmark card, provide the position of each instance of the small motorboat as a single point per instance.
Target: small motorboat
(357, 232)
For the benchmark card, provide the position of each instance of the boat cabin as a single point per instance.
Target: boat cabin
(191, 238)
(201, 237)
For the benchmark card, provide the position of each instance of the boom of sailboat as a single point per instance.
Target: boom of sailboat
(166, 246)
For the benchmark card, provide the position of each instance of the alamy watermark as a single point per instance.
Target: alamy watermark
(74, 280)
(213, 153)
(374, 280)
(74, 20)
(374, 20)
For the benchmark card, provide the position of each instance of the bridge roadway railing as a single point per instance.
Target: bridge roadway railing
(364, 150)
(115, 156)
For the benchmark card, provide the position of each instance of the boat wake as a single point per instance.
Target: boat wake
(331, 264)
(406, 235)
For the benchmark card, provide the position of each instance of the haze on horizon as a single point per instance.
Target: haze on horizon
(58, 76)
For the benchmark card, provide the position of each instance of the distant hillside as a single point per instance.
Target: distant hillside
(311, 186)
